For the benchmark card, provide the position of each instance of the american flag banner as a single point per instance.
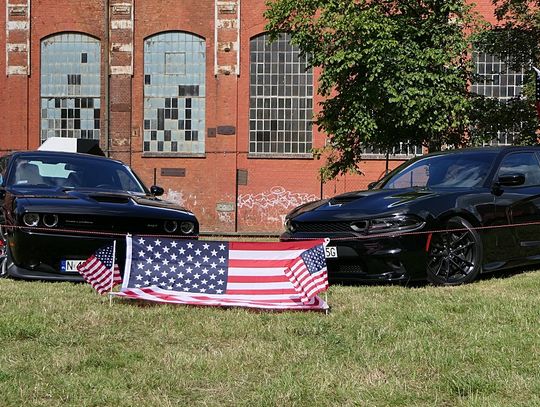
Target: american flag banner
(198, 272)
(98, 270)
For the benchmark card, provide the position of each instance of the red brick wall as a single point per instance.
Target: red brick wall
(274, 186)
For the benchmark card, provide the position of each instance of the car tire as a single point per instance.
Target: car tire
(454, 254)
(3, 266)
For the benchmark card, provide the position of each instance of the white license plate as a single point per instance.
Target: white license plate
(70, 266)
(330, 252)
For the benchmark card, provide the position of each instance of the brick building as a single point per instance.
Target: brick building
(188, 93)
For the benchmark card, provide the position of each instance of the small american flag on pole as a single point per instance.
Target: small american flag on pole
(98, 269)
(242, 274)
(308, 273)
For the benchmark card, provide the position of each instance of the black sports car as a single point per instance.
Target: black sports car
(58, 208)
(445, 217)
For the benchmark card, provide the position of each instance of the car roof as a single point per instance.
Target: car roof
(60, 154)
(491, 149)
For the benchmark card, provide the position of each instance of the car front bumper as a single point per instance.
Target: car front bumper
(378, 259)
(36, 255)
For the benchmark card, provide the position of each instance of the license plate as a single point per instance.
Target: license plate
(330, 252)
(70, 266)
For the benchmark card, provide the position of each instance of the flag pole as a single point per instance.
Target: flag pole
(112, 272)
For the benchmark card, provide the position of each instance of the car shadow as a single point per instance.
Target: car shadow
(501, 274)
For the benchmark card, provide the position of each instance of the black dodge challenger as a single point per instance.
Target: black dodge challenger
(57, 209)
(445, 217)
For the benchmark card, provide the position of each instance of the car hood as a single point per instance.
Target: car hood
(92, 201)
(351, 205)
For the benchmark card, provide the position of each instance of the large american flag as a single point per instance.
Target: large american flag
(245, 274)
(98, 269)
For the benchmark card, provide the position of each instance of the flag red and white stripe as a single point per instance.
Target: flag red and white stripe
(99, 271)
(307, 279)
(255, 273)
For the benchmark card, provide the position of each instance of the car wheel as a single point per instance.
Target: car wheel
(3, 265)
(5, 262)
(454, 255)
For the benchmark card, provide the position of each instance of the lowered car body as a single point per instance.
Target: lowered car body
(445, 217)
(57, 209)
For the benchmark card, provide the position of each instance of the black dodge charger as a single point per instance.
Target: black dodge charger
(57, 209)
(445, 217)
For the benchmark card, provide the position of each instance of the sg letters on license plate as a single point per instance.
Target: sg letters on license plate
(330, 252)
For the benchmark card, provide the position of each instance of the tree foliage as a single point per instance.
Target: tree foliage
(391, 70)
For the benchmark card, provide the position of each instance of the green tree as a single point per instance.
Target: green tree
(515, 38)
(391, 71)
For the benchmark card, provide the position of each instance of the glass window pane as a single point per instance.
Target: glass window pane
(274, 101)
(70, 86)
(174, 89)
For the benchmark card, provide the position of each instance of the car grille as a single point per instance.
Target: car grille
(323, 227)
(350, 268)
(110, 224)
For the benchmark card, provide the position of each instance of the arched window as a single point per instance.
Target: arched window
(70, 86)
(281, 98)
(174, 93)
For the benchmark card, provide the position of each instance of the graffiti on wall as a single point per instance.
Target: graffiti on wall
(270, 207)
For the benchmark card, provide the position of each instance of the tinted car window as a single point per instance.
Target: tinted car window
(444, 171)
(524, 163)
(73, 172)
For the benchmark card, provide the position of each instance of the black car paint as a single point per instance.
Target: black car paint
(88, 219)
(493, 209)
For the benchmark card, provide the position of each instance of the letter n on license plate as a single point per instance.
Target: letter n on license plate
(330, 252)
(70, 266)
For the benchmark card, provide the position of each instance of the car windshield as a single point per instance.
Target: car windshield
(73, 172)
(459, 170)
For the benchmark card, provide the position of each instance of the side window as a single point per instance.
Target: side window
(522, 163)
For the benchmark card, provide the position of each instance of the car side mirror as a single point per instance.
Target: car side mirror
(511, 180)
(508, 180)
(371, 185)
(156, 191)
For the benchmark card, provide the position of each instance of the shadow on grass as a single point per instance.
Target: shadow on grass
(500, 274)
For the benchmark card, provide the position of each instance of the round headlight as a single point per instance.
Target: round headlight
(170, 226)
(50, 220)
(31, 219)
(290, 226)
(187, 227)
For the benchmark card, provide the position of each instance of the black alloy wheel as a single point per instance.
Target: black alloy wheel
(454, 256)
(3, 254)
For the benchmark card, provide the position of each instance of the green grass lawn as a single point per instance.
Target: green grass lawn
(474, 345)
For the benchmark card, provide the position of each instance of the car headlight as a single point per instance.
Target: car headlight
(30, 219)
(187, 227)
(399, 223)
(50, 220)
(170, 226)
(290, 226)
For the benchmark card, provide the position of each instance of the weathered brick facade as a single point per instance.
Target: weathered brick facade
(268, 187)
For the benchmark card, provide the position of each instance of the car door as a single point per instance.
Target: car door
(520, 205)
